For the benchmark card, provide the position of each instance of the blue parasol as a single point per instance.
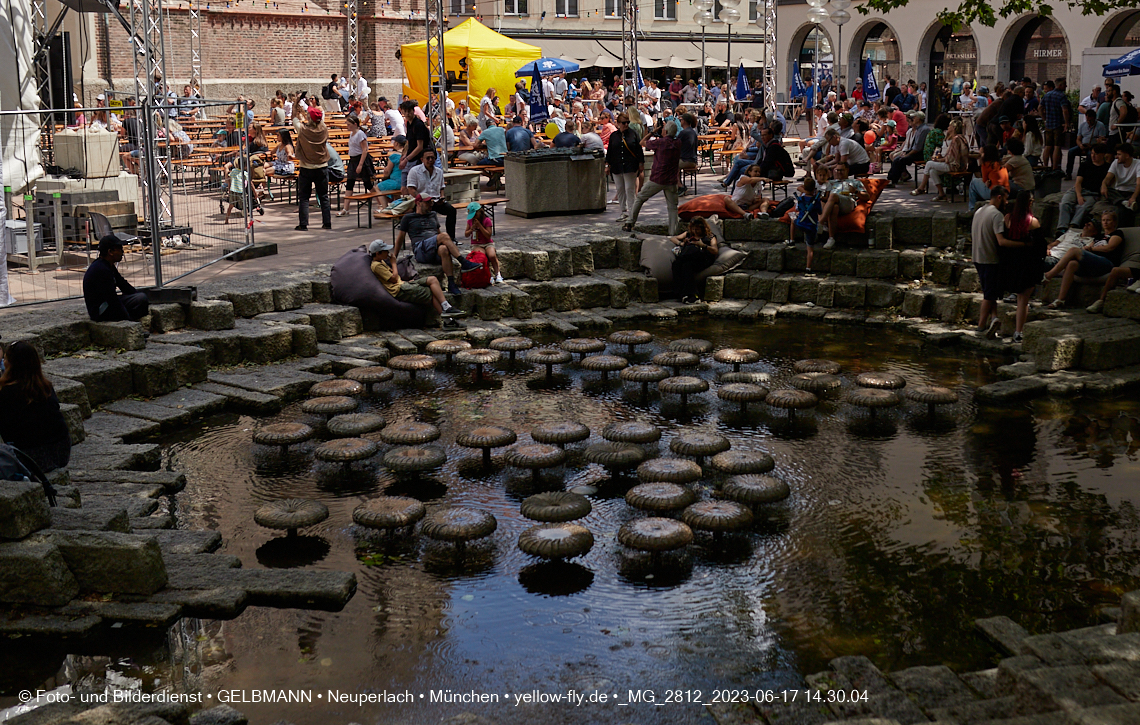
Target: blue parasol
(546, 67)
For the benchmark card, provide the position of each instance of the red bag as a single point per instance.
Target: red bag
(477, 278)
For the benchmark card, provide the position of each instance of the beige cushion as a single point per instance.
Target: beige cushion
(657, 262)
(1131, 255)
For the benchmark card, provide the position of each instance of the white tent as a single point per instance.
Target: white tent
(19, 135)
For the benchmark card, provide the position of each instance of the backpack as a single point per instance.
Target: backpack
(477, 278)
(1129, 113)
(326, 93)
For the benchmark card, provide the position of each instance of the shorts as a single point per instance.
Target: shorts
(859, 169)
(845, 204)
(427, 250)
(989, 275)
(1093, 265)
(1051, 137)
(414, 293)
(237, 198)
(810, 235)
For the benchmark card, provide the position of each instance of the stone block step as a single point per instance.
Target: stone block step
(103, 380)
(1121, 303)
(248, 341)
(123, 335)
(167, 418)
(110, 427)
(278, 380)
(161, 369)
(90, 519)
(170, 481)
(35, 572)
(103, 453)
(324, 590)
(241, 400)
(111, 562)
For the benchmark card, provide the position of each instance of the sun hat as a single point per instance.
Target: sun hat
(472, 208)
(378, 245)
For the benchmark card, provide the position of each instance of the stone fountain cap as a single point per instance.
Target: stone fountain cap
(555, 507)
(683, 385)
(630, 338)
(556, 540)
(329, 388)
(353, 425)
(548, 356)
(409, 433)
(676, 359)
(742, 462)
(604, 363)
(816, 366)
(458, 524)
(698, 444)
(282, 434)
(791, 399)
(754, 378)
(691, 344)
(486, 436)
(370, 375)
(583, 345)
(514, 343)
(388, 512)
(614, 455)
(412, 459)
(659, 497)
(654, 534)
(818, 383)
(345, 450)
(535, 455)
(754, 489)
(736, 356)
(742, 393)
(644, 374)
(332, 405)
(291, 513)
(717, 516)
(477, 356)
(446, 347)
(633, 431)
(873, 398)
(932, 395)
(669, 470)
(883, 381)
(412, 363)
(560, 432)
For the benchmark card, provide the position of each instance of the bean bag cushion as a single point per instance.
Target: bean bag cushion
(856, 221)
(705, 206)
(354, 284)
(657, 262)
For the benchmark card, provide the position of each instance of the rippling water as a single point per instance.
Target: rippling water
(900, 531)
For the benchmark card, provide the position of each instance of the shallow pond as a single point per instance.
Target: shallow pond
(898, 534)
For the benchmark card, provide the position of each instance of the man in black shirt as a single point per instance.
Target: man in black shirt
(892, 91)
(688, 139)
(102, 279)
(1077, 203)
(419, 137)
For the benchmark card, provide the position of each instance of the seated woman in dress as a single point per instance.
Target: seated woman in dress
(29, 409)
(390, 181)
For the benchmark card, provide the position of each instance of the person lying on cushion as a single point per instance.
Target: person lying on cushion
(843, 195)
(416, 292)
(745, 198)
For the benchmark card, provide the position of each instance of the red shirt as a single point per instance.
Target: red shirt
(666, 160)
(901, 125)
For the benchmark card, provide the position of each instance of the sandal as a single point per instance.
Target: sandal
(918, 192)
(1056, 305)
(941, 197)
(342, 212)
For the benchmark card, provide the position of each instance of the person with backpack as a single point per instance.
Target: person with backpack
(416, 292)
(479, 228)
(806, 217)
(30, 418)
(1123, 112)
(775, 162)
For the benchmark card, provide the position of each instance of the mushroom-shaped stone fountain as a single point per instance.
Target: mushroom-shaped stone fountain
(330, 388)
(736, 356)
(548, 356)
(605, 364)
(873, 399)
(511, 345)
(556, 540)
(814, 365)
(791, 400)
(698, 445)
(583, 346)
(659, 498)
(691, 344)
(415, 459)
(412, 364)
(345, 450)
(555, 507)
(633, 431)
(291, 514)
(752, 378)
(737, 463)
(821, 384)
(644, 374)
(931, 396)
(535, 456)
(669, 470)
(409, 433)
(882, 381)
(755, 489)
(654, 535)
(676, 359)
(370, 376)
(389, 513)
(458, 525)
(478, 356)
(447, 348)
(742, 393)
(486, 437)
(684, 386)
(354, 425)
(630, 339)
(614, 457)
(331, 405)
(282, 434)
(560, 433)
(717, 517)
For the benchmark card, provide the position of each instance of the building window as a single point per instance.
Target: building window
(717, 7)
(752, 11)
(1040, 51)
(1127, 32)
(462, 7)
(514, 7)
(664, 9)
(614, 8)
(566, 8)
(882, 48)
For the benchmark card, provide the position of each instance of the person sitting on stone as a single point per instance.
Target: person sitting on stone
(102, 279)
(1096, 259)
(30, 418)
(429, 244)
(843, 195)
(425, 291)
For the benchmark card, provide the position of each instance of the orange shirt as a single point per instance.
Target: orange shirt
(994, 174)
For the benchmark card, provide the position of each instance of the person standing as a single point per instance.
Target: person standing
(1058, 114)
(419, 137)
(675, 90)
(664, 176)
(1020, 254)
(988, 232)
(487, 115)
(624, 159)
(102, 279)
(313, 161)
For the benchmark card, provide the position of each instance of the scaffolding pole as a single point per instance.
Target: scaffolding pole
(352, 29)
(196, 46)
(629, 18)
(770, 55)
(434, 24)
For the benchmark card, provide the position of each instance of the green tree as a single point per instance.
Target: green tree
(986, 13)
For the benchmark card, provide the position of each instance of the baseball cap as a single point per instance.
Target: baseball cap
(424, 197)
(378, 245)
(315, 113)
(382, 98)
(100, 97)
(1003, 119)
(472, 208)
(109, 242)
(891, 123)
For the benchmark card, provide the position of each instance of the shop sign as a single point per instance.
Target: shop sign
(1048, 53)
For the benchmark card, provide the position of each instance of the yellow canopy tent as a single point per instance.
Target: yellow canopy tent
(491, 60)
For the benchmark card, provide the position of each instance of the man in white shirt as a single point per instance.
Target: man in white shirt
(653, 93)
(1122, 184)
(1092, 100)
(561, 87)
(392, 118)
(426, 180)
(548, 89)
(988, 232)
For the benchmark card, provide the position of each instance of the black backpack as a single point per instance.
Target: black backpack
(326, 92)
(1129, 115)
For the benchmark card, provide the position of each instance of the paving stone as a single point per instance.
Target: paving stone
(160, 369)
(89, 489)
(775, 259)
(968, 280)
(179, 541)
(167, 317)
(171, 481)
(145, 613)
(978, 711)
(1121, 303)
(219, 715)
(103, 380)
(1106, 349)
(862, 674)
(1009, 390)
(197, 403)
(105, 454)
(1110, 648)
(916, 303)
(1062, 688)
(45, 625)
(1003, 632)
(850, 293)
(354, 349)
(211, 315)
(912, 264)
(73, 417)
(248, 303)
(844, 262)
(943, 230)
(167, 418)
(308, 589)
(1122, 676)
(1129, 613)
(71, 392)
(283, 318)
(802, 289)
(213, 603)
(948, 306)
(101, 518)
(120, 427)
(732, 713)
(799, 711)
(23, 509)
(304, 340)
(1112, 382)
(1016, 370)
(1046, 718)
(1006, 681)
(124, 335)
(883, 294)
(727, 308)
(1051, 649)
(878, 264)
(714, 289)
(268, 379)
(1109, 715)
(59, 336)
(111, 562)
(333, 322)
(983, 682)
(932, 687)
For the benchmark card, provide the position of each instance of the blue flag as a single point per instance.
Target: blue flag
(538, 112)
(640, 80)
(799, 90)
(741, 83)
(870, 87)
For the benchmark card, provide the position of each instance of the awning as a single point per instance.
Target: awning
(587, 53)
(679, 54)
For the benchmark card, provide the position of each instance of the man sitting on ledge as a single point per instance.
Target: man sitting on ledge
(102, 279)
(427, 292)
(429, 244)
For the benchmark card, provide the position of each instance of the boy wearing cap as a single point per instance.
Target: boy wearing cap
(427, 292)
(102, 279)
(312, 161)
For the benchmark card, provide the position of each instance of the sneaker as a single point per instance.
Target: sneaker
(449, 323)
(453, 312)
(453, 289)
(301, 228)
(1134, 287)
(1096, 307)
(466, 265)
(613, 201)
(993, 328)
(763, 215)
(808, 272)
(1017, 338)
(623, 217)
(830, 243)
(1056, 305)
(498, 278)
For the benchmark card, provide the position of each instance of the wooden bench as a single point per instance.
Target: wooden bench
(361, 200)
(494, 174)
(772, 184)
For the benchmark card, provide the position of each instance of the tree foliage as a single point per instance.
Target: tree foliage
(986, 13)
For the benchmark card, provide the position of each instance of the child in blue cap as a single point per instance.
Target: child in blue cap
(479, 228)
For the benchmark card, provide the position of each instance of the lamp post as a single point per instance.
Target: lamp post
(815, 16)
(702, 18)
(840, 17)
(729, 15)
